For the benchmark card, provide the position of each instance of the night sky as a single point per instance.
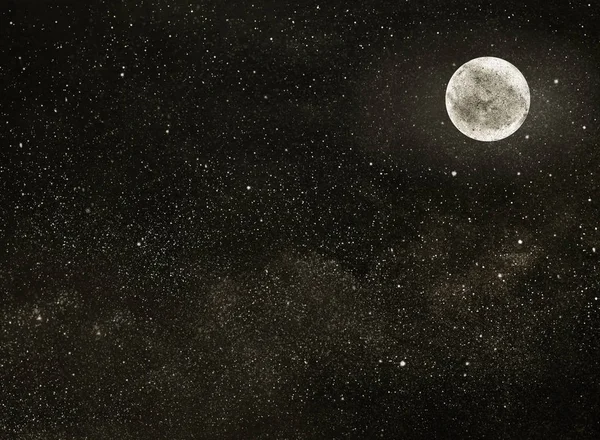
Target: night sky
(255, 220)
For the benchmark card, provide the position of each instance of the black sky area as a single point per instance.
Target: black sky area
(255, 220)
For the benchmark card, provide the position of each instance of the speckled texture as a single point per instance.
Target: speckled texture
(256, 222)
(487, 99)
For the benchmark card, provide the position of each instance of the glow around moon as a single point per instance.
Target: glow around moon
(487, 99)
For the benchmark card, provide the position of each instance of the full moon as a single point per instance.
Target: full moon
(487, 99)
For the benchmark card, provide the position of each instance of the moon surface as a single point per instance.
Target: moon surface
(487, 99)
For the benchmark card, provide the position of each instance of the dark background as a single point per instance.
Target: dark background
(255, 220)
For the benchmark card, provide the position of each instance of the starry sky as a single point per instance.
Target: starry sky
(255, 220)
